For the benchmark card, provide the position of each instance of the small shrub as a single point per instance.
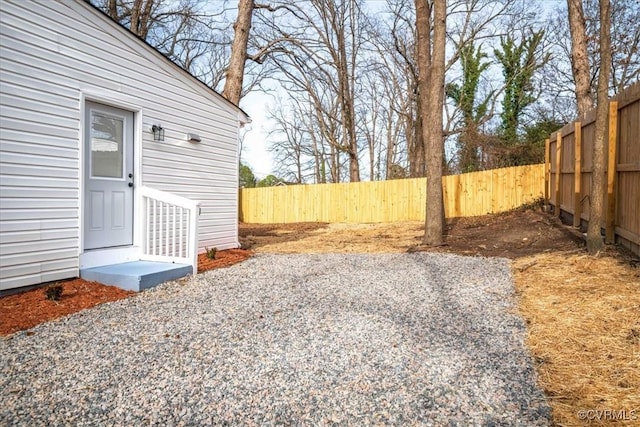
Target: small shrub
(211, 253)
(53, 292)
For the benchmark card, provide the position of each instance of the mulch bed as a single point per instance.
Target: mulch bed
(222, 259)
(28, 309)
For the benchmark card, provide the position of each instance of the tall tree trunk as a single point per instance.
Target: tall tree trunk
(299, 165)
(416, 148)
(372, 154)
(135, 17)
(140, 17)
(145, 19)
(235, 73)
(390, 152)
(112, 10)
(596, 198)
(316, 160)
(434, 222)
(347, 108)
(579, 56)
(469, 137)
(423, 51)
(334, 165)
(323, 168)
(431, 66)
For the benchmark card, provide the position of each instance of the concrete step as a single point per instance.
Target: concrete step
(136, 275)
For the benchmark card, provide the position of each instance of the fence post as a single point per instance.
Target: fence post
(558, 171)
(577, 172)
(547, 172)
(610, 227)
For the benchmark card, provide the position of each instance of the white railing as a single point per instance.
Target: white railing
(170, 225)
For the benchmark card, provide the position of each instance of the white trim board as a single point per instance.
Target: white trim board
(108, 256)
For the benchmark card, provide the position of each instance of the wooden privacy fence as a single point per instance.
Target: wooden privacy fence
(570, 150)
(470, 194)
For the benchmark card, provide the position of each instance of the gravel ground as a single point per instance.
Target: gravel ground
(376, 339)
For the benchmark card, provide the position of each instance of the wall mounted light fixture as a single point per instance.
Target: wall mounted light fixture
(158, 132)
(192, 137)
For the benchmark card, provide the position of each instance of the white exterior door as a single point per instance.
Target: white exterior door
(108, 195)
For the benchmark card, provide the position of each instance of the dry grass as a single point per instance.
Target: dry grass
(348, 238)
(583, 316)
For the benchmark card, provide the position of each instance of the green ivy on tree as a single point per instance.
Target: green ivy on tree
(464, 96)
(519, 60)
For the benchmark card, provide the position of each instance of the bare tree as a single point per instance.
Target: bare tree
(560, 78)
(235, 72)
(385, 115)
(152, 20)
(402, 50)
(596, 198)
(625, 43)
(318, 59)
(192, 36)
(136, 14)
(289, 151)
(579, 56)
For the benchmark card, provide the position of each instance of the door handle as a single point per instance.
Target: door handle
(131, 184)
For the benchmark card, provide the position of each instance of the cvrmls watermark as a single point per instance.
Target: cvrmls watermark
(608, 414)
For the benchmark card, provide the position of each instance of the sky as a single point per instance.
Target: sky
(255, 146)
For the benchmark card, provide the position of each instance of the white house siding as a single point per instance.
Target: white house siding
(50, 53)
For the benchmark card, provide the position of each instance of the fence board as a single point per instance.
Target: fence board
(577, 174)
(547, 172)
(471, 194)
(559, 156)
(611, 172)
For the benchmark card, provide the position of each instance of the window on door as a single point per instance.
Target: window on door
(107, 142)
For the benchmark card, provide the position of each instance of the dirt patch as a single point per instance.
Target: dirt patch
(252, 234)
(511, 235)
(28, 309)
